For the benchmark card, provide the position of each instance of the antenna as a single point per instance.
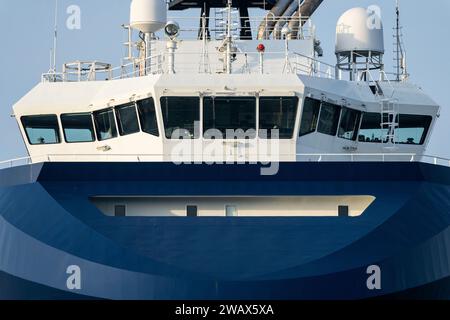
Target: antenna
(204, 64)
(55, 40)
(401, 70)
(229, 38)
(397, 35)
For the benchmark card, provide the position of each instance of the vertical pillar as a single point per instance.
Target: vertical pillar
(246, 30)
(206, 10)
(148, 53)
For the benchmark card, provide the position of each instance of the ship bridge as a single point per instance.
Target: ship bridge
(179, 96)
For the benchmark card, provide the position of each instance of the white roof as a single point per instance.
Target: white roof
(86, 96)
(407, 94)
(73, 97)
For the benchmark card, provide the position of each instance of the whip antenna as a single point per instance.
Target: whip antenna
(55, 39)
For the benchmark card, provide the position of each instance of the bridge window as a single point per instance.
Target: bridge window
(105, 124)
(147, 116)
(370, 130)
(413, 129)
(329, 118)
(311, 110)
(78, 127)
(350, 120)
(42, 129)
(127, 119)
(237, 114)
(180, 115)
(277, 113)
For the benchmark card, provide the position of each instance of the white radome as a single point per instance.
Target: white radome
(360, 30)
(148, 16)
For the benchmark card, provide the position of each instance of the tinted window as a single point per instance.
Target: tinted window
(127, 119)
(105, 124)
(278, 113)
(348, 128)
(78, 127)
(147, 116)
(229, 113)
(413, 129)
(180, 115)
(370, 130)
(311, 110)
(42, 129)
(329, 118)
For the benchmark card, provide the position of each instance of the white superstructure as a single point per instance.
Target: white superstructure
(179, 94)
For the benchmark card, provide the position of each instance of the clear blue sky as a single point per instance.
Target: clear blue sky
(26, 38)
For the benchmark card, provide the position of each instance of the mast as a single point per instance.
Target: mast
(400, 55)
(397, 35)
(229, 38)
(55, 39)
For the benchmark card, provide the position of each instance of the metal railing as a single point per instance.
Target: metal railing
(356, 157)
(15, 162)
(191, 62)
(303, 64)
(300, 27)
(435, 160)
(153, 65)
(98, 71)
(251, 62)
(86, 71)
(301, 157)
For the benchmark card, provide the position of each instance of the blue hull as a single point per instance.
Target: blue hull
(47, 223)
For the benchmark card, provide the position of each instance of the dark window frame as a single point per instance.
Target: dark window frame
(94, 134)
(118, 115)
(293, 119)
(357, 123)
(399, 119)
(206, 128)
(57, 132)
(142, 121)
(116, 132)
(426, 129)
(363, 119)
(317, 107)
(336, 119)
(194, 135)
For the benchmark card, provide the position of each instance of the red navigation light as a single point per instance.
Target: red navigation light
(261, 48)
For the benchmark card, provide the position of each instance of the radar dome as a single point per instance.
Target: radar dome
(148, 16)
(359, 30)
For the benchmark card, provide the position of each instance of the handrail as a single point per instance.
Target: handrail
(314, 66)
(11, 163)
(245, 62)
(301, 157)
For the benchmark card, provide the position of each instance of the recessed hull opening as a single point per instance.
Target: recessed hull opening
(234, 206)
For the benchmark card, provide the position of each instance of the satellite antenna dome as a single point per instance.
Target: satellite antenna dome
(148, 16)
(359, 30)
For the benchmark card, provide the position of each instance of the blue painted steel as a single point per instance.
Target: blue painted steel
(47, 223)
